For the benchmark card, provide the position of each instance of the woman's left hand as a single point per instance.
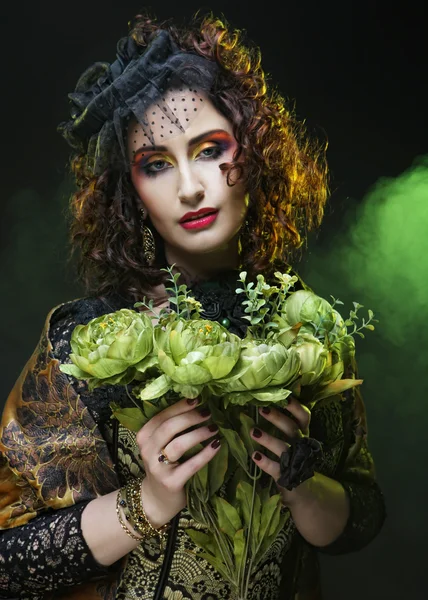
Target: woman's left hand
(293, 427)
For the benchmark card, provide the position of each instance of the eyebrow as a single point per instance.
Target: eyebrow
(192, 142)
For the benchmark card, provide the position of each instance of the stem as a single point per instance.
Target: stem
(246, 577)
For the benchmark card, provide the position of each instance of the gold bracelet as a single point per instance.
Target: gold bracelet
(119, 505)
(138, 514)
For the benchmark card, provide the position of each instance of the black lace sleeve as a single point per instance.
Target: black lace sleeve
(358, 478)
(46, 554)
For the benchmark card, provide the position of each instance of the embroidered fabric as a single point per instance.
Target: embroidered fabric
(337, 423)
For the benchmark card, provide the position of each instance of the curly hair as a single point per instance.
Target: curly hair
(284, 171)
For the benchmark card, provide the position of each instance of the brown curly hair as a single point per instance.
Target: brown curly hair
(284, 171)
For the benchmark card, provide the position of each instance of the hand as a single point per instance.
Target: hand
(162, 489)
(294, 427)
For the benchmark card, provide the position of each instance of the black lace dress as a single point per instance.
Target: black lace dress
(61, 448)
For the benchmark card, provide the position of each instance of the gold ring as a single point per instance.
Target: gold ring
(163, 457)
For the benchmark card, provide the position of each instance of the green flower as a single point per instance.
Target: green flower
(111, 348)
(316, 314)
(314, 358)
(261, 373)
(192, 354)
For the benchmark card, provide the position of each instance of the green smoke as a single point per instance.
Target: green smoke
(379, 258)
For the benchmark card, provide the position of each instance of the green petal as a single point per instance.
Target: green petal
(156, 388)
(74, 371)
(191, 374)
(166, 363)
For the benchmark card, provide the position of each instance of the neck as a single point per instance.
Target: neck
(204, 266)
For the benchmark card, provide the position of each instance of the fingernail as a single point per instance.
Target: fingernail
(257, 433)
(215, 443)
(257, 456)
(265, 410)
(204, 412)
(192, 401)
(213, 427)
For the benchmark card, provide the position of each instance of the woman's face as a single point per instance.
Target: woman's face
(179, 180)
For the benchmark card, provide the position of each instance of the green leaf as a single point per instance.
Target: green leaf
(217, 564)
(131, 418)
(150, 409)
(244, 495)
(247, 423)
(268, 518)
(228, 517)
(206, 541)
(239, 549)
(236, 446)
(217, 468)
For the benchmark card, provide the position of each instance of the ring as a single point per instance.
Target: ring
(163, 457)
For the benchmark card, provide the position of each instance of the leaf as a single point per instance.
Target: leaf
(239, 550)
(217, 564)
(268, 540)
(336, 387)
(371, 327)
(247, 423)
(228, 517)
(268, 512)
(244, 495)
(236, 446)
(150, 409)
(206, 541)
(217, 468)
(131, 418)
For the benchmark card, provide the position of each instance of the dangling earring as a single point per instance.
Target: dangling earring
(149, 247)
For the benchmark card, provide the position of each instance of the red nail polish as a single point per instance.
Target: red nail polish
(257, 433)
(265, 410)
(213, 427)
(192, 401)
(215, 443)
(257, 456)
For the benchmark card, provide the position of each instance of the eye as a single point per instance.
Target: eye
(211, 151)
(156, 166)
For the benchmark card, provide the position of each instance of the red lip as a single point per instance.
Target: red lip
(199, 213)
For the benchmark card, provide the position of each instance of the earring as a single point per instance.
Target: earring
(149, 246)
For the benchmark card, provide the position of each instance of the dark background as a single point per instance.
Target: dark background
(357, 71)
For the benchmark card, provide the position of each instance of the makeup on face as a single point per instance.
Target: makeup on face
(151, 161)
(179, 180)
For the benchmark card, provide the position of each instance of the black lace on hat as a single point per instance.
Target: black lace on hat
(107, 96)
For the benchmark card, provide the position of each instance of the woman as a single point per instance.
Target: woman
(183, 157)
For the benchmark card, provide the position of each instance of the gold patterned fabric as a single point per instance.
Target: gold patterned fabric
(59, 450)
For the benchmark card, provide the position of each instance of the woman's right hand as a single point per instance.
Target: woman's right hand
(163, 488)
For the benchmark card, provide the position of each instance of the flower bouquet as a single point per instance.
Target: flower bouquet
(296, 343)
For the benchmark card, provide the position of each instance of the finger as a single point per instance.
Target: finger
(168, 428)
(285, 424)
(268, 441)
(271, 467)
(184, 471)
(182, 406)
(300, 413)
(181, 444)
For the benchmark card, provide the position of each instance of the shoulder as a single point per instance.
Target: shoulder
(62, 319)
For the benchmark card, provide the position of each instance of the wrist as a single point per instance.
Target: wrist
(154, 513)
(302, 493)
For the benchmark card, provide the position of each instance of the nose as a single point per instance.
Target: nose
(190, 189)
